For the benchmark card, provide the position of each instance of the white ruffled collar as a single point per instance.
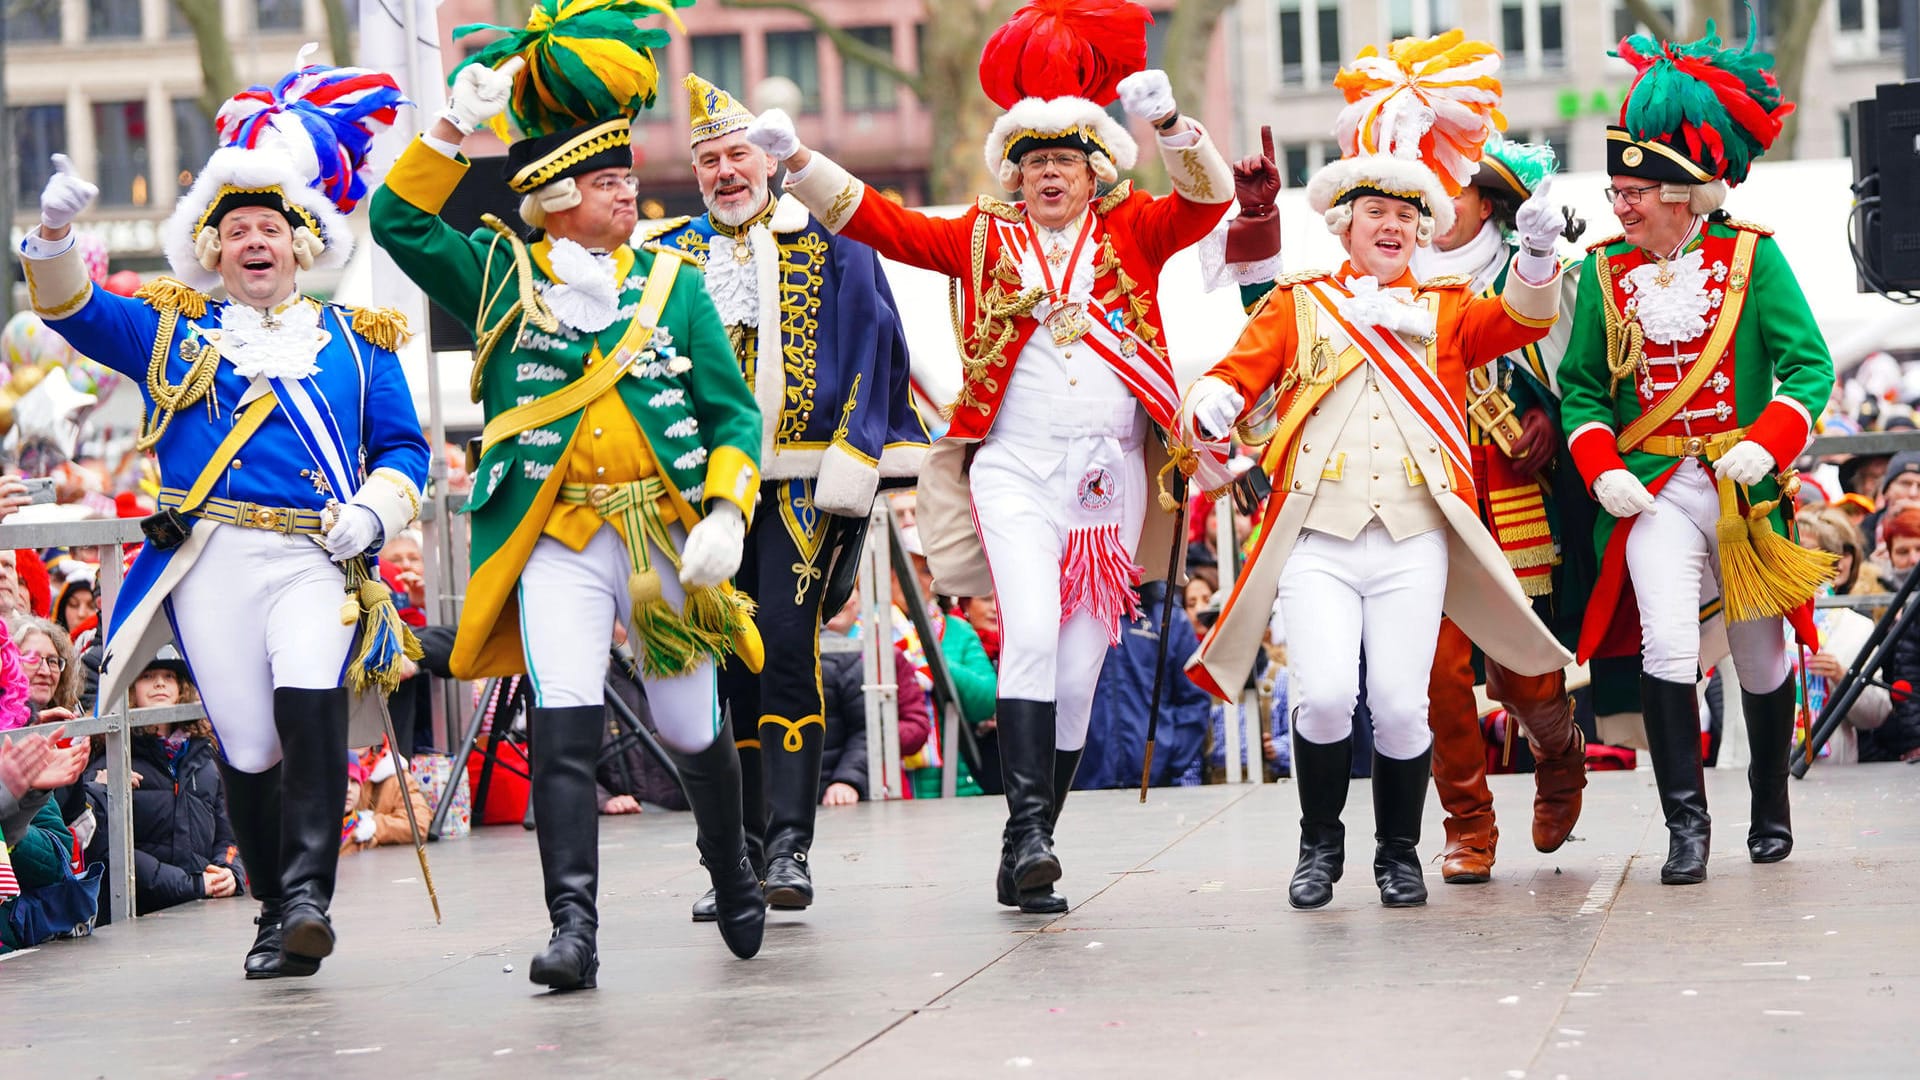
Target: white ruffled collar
(284, 344)
(585, 292)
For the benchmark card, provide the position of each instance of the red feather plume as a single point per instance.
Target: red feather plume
(1065, 48)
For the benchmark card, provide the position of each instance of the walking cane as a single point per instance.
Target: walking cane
(406, 800)
(1166, 617)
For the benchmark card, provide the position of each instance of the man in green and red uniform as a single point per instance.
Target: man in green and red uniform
(1687, 392)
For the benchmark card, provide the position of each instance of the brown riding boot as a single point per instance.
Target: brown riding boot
(1460, 762)
(1545, 712)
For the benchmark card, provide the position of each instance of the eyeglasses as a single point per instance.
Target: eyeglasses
(36, 659)
(1039, 162)
(1629, 195)
(609, 184)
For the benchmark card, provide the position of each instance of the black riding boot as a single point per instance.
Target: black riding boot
(1026, 763)
(791, 758)
(1673, 739)
(1043, 900)
(1322, 772)
(1770, 742)
(753, 801)
(712, 782)
(1399, 795)
(312, 725)
(253, 806)
(566, 822)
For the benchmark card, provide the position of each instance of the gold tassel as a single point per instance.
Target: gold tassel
(1179, 456)
(1763, 574)
(384, 327)
(172, 294)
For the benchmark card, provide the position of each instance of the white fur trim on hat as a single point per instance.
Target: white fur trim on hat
(256, 168)
(1055, 116)
(1386, 172)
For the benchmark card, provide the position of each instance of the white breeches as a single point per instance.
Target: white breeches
(258, 611)
(1030, 486)
(1670, 553)
(1373, 592)
(569, 601)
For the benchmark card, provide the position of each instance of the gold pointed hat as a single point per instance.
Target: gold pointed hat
(713, 111)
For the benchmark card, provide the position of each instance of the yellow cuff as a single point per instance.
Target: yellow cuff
(1532, 305)
(59, 286)
(425, 177)
(1524, 320)
(732, 475)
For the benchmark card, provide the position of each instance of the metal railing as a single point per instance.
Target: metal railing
(114, 720)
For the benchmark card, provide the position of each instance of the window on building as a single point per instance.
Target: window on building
(279, 14)
(1420, 18)
(666, 90)
(1533, 34)
(795, 54)
(1309, 34)
(1553, 36)
(1887, 19)
(1294, 164)
(113, 18)
(177, 24)
(1513, 28)
(33, 20)
(39, 132)
(120, 139)
(867, 88)
(716, 58)
(1850, 15)
(192, 136)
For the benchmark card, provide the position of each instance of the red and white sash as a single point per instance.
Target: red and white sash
(1145, 370)
(1405, 377)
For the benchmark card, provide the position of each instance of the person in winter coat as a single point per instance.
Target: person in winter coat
(1117, 740)
(974, 678)
(36, 847)
(374, 813)
(183, 846)
(843, 759)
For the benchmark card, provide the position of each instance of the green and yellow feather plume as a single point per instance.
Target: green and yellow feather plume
(586, 61)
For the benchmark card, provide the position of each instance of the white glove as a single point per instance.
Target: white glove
(363, 826)
(773, 132)
(1147, 95)
(480, 93)
(1538, 221)
(712, 554)
(1621, 494)
(1215, 407)
(357, 530)
(66, 195)
(1747, 463)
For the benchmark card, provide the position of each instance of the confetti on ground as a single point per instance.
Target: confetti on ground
(937, 974)
(357, 1050)
(1510, 999)
(1781, 1012)
(503, 1052)
(1020, 1062)
(506, 969)
(1803, 978)
(1572, 1032)
(1689, 993)
(1056, 1009)
(1093, 944)
(1764, 963)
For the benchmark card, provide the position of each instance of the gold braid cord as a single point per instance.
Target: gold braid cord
(529, 306)
(170, 398)
(1624, 357)
(993, 306)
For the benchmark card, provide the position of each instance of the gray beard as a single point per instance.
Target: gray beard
(733, 219)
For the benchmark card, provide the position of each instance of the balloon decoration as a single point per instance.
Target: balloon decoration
(31, 350)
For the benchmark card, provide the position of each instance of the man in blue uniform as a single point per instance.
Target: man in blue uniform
(818, 338)
(288, 448)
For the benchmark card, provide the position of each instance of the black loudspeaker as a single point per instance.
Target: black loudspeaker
(482, 191)
(1886, 164)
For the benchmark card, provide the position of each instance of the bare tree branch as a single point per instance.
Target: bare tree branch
(339, 32)
(217, 76)
(851, 48)
(1790, 63)
(1652, 18)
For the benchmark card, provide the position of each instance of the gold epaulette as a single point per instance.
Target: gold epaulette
(1607, 243)
(648, 231)
(1121, 192)
(385, 327)
(1746, 226)
(1288, 281)
(172, 294)
(1446, 281)
(1000, 208)
(662, 249)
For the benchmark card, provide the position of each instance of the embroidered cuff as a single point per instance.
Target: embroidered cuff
(829, 190)
(57, 281)
(1198, 172)
(733, 477)
(1594, 452)
(1537, 306)
(1781, 428)
(425, 177)
(392, 498)
(847, 483)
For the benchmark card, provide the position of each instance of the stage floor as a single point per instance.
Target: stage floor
(1180, 957)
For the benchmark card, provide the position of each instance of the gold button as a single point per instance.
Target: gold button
(1073, 382)
(1316, 410)
(1376, 416)
(1376, 476)
(1376, 446)
(236, 463)
(1296, 485)
(1432, 449)
(263, 517)
(601, 471)
(1306, 448)
(1376, 506)
(596, 433)
(1068, 355)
